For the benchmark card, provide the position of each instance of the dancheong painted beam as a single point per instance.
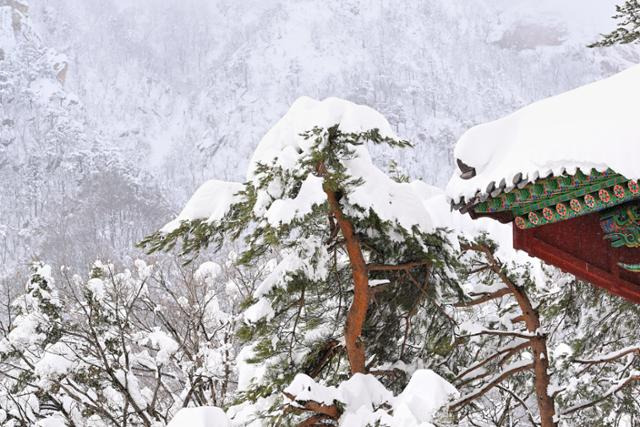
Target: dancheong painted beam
(585, 224)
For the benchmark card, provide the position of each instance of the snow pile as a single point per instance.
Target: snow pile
(284, 143)
(24, 334)
(594, 126)
(285, 147)
(247, 371)
(303, 387)
(56, 361)
(258, 311)
(286, 210)
(211, 201)
(163, 344)
(205, 416)
(425, 394)
(367, 402)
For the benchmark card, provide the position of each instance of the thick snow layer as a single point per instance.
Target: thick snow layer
(247, 371)
(286, 210)
(56, 361)
(260, 310)
(363, 391)
(425, 394)
(303, 387)
(594, 126)
(284, 146)
(363, 398)
(392, 201)
(164, 345)
(24, 334)
(285, 143)
(211, 201)
(204, 416)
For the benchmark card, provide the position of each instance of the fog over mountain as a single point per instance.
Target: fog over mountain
(200, 82)
(182, 91)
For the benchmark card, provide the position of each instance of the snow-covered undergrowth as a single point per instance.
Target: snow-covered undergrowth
(365, 400)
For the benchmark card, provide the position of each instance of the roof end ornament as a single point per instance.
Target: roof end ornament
(467, 171)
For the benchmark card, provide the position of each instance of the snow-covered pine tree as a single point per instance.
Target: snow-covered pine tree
(507, 378)
(628, 22)
(354, 258)
(538, 346)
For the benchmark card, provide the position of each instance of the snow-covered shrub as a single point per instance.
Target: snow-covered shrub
(130, 346)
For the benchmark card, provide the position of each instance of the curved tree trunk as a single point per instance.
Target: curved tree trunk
(546, 404)
(358, 311)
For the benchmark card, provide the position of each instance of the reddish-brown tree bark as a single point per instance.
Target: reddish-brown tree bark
(358, 311)
(531, 318)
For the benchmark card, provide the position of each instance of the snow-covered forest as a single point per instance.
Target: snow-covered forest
(240, 206)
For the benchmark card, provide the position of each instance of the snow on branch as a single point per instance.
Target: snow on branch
(634, 377)
(610, 357)
(506, 351)
(506, 373)
(515, 334)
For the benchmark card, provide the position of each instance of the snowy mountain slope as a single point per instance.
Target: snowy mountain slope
(200, 82)
(66, 195)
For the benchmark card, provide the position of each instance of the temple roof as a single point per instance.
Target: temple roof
(556, 150)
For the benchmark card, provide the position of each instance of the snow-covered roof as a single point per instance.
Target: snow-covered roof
(596, 126)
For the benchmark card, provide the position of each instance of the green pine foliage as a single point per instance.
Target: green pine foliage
(304, 308)
(628, 25)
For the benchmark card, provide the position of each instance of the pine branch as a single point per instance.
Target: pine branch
(493, 383)
(330, 411)
(508, 351)
(621, 384)
(485, 298)
(515, 334)
(610, 357)
(397, 267)
(628, 30)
